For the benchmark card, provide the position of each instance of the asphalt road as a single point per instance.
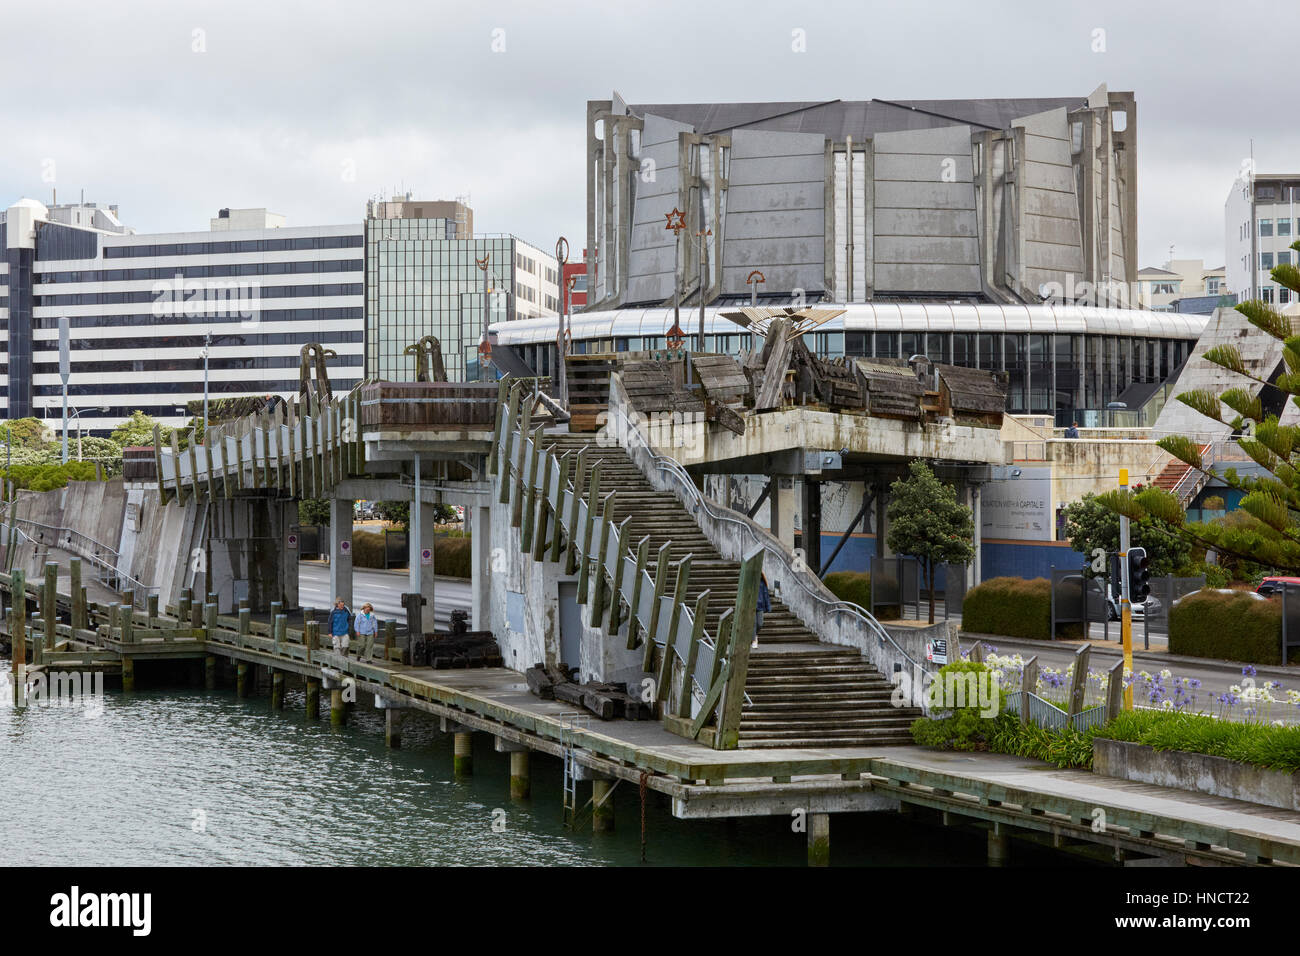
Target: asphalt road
(383, 589)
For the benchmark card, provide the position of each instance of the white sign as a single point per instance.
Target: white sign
(291, 542)
(426, 557)
(345, 547)
(1018, 508)
(936, 651)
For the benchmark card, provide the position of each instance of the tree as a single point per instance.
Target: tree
(313, 511)
(927, 522)
(28, 432)
(1272, 500)
(192, 431)
(138, 430)
(1090, 526)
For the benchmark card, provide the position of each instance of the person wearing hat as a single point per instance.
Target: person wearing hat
(367, 626)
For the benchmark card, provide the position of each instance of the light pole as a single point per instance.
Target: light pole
(676, 223)
(65, 371)
(207, 343)
(702, 235)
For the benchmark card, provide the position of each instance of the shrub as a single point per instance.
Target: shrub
(1012, 607)
(1005, 734)
(48, 477)
(452, 556)
(959, 728)
(1236, 627)
(1264, 745)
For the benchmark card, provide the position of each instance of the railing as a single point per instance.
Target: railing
(712, 669)
(109, 574)
(1194, 479)
(756, 536)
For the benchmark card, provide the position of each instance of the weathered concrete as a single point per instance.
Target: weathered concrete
(1198, 772)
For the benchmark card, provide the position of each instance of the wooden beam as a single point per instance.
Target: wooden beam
(742, 630)
(507, 459)
(616, 600)
(176, 465)
(557, 535)
(523, 509)
(579, 476)
(584, 559)
(674, 619)
(494, 454)
(1079, 682)
(1028, 685)
(642, 557)
(540, 542)
(692, 655)
(602, 548)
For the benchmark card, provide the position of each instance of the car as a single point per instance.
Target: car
(1140, 609)
(1272, 587)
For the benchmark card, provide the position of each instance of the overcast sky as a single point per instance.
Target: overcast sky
(311, 108)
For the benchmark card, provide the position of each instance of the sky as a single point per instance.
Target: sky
(173, 110)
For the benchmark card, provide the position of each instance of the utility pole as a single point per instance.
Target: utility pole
(1125, 605)
(207, 343)
(562, 342)
(65, 371)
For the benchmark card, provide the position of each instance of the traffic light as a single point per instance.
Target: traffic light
(1139, 575)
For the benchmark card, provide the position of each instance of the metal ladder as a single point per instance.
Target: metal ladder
(569, 724)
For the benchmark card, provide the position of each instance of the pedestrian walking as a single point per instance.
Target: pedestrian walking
(1073, 430)
(340, 625)
(367, 627)
(764, 604)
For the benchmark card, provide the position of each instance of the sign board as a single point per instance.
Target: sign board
(291, 542)
(1018, 508)
(65, 359)
(345, 548)
(426, 557)
(936, 651)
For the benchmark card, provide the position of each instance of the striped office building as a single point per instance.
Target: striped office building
(140, 308)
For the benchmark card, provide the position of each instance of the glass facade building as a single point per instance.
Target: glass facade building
(421, 280)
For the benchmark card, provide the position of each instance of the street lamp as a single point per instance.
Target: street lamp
(76, 417)
(207, 344)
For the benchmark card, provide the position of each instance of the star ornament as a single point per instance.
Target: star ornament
(676, 219)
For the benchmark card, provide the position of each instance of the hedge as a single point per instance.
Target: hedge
(855, 587)
(452, 555)
(1235, 627)
(1011, 607)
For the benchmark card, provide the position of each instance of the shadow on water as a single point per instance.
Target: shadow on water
(194, 777)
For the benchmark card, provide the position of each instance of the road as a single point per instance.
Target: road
(383, 589)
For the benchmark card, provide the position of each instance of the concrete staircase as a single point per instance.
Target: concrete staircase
(804, 693)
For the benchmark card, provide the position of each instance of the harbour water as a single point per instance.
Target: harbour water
(190, 777)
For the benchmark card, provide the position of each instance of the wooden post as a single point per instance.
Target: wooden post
(1028, 685)
(277, 690)
(524, 509)
(584, 559)
(176, 464)
(819, 836)
(49, 605)
(313, 698)
(1115, 690)
(1079, 683)
(692, 654)
(602, 548)
(245, 624)
(463, 753)
(151, 610)
(506, 461)
(128, 674)
(652, 629)
(390, 638)
(338, 709)
(633, 626)
(18, 635)
(241, 679)
(602, 805)
(674, 619)
(614, 621)
(520, 786)
(74, 592)
(543, 508)
(157, 463)
(557, 532)
(279, 629)
(494, 453)
(579, 474)
(393, 727)
(742, 632)
(210, 672)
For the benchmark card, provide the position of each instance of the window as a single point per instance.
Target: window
(1266, 227)
(1284, 227)
(1283, 296)
(1266, 294)
(1266, 260)
(1284, 257)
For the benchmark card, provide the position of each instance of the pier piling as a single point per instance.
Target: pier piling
(819, 839)
(462, 761)
(393, 727)
(338, 710)
(241, 679)
(210, 672)
(313, 698)
(277, 690)
(602, 805)
(128, 674)
(999, 846)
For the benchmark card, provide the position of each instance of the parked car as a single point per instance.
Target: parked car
(1140, 609)
(1272, 587)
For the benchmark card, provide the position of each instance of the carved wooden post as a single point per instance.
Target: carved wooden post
(616, 586)
(1028, 685)
(1115, 690)
(584, 559)
(602, 548)
(1079, 683)
(674, 619)
(742, 631)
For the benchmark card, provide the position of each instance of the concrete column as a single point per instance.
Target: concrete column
(882, 528)
(812, 524)
(128, 671)
(520, 783)
(341, 550)
(241, 679)
(338, 710)
(977, 565)
(781, 508)
(420, 534)
(210, 672)
(313, 698)
(999, 846)
(277, 690)
(393, 727)
(463, 753)
(481, 548)
(602, 805)
(819, 839)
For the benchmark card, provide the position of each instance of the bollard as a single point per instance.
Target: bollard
(279, 630)
(75, 591)
(390, 639)
(819, 839)
(49, 606)
(210, 617)
(127, 613)
(151, 609)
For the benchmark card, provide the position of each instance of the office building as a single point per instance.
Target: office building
(1262, 220)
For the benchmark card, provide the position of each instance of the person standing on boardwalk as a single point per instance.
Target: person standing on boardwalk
(764, 604)
(367, 626)
(340, 623)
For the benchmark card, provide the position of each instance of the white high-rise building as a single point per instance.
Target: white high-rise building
(1262, 220)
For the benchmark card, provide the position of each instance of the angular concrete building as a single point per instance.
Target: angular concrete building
(994, 200)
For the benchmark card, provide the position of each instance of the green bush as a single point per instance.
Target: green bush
(958, 728)
(855, 587)
(1264, 745)
(1012, 607)
(49, 477)
(452, 555)
(1233, 626)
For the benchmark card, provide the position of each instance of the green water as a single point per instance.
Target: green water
(184, 777)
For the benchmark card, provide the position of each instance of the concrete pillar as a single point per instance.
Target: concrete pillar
(977, 565)
(210, 672)
(463, 753)
(128, 672)
(882, 527)
(241, 679)
(520, 782)
(393, 727)
(420, 532)
(819, 839)
(341, 550)
(812, 524)
(338, 710)
(277, 690)
(602, 805)
(313, 698)
(781, 508)
(481, 569)
(999, 846)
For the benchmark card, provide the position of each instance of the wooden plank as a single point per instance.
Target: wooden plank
(557, 536)
(692, 655)
(738, 660)
(540, 542)
(579, 476)
(633, 625)
(613, 623)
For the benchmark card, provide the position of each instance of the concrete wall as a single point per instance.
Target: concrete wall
(1199, 772)
(650, 251)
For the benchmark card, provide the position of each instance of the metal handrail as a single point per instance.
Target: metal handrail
(1194, 475)
(70, 531)
(109, 569)
(673, 467)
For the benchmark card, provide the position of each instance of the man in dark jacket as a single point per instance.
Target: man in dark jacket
(764, 604)
(340, 624)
